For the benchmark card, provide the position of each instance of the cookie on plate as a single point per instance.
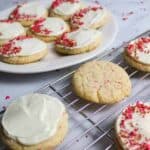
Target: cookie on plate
(9, 30)
(33, 122)
(27, 13)
(132, 127)
(137, 54)
(48, 29)
(90, 17)
(64, 8)
(23, 50)
(78, 41)
(101, 82)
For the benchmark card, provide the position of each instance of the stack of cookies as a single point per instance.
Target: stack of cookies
(73, 31)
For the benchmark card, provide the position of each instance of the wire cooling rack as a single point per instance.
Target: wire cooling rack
(91, 126)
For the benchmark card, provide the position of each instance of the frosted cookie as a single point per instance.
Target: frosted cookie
(132, 127)
(27, 13)
(78, 41)
(101, 82)
(137, 54)
(23, 50)
(64, 8)
(90, 17)
(9, 30)
(34, 122)
(48, 29)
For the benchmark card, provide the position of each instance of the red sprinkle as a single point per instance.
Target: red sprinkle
(15, 15)
(56, 3)
(76, 18)
(138, 45)
(7, 97)
(38, 27)
(64, 40)
(132, 137)
(9, 48)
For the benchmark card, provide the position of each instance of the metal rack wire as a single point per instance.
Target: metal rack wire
(91, 125)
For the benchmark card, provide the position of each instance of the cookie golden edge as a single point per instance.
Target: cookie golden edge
(73, 51)
(80, 93)
(46, 39)
(135, 64)
(48, 144)
(28, 23)
(24, 59)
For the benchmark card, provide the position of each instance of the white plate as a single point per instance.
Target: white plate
(55, 61)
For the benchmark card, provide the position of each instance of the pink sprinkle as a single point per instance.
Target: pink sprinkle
(7, 97)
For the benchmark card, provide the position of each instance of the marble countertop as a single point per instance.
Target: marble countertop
(133, 18)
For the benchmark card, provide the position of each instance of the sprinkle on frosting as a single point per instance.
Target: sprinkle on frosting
(10, 48)
(65, 41)
(139, 45)
(56, 3)
(76, 18)
(15, 15)
(38, 27)
(131, 133)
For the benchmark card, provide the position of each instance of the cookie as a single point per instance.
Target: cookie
(27, 13)
(90, 17)
(101, 82)
(132, 127)
(78, 41)
(9, 30)
(35, 121)
(64, 8)
(137, 54)
(48, 29)
(23, 50)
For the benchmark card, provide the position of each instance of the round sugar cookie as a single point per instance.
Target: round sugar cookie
(90, 17)
(34, 121)
(48, 29)
(101, 82)
(64, 8)
(23, 50)
(78, 41)
(27, 13)
(132, 127)
(137, 54)
(10, 29)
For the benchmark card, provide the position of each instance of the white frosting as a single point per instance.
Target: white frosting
(56, 25)
(33, 8)
(10, 30)
(142, 56)
(92, 17)
(33, 118)
(30, 46)
(67, 8)
(83, 37)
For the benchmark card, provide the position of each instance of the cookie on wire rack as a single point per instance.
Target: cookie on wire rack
(34, 121)
(137, 54)
(101, 82)
(132, 127)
